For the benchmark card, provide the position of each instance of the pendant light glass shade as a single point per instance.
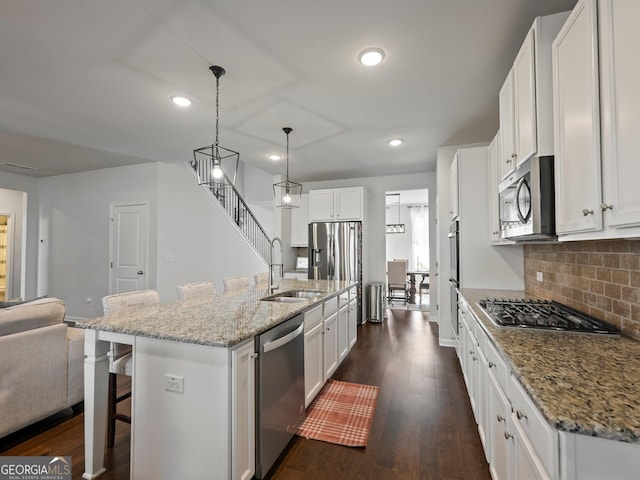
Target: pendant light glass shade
(287, 193)
(216, 166)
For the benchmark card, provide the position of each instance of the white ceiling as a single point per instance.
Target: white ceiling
(85, 84)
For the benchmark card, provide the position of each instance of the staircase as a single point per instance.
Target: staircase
(237, 211)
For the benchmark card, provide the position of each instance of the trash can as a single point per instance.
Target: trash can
(376, 310)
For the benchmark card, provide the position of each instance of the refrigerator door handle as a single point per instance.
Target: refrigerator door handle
(331, 266)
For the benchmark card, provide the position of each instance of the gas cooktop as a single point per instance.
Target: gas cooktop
(543, 315)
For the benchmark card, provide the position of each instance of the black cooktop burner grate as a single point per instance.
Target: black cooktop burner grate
(543, 315)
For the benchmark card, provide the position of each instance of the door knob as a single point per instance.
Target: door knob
(140, 272)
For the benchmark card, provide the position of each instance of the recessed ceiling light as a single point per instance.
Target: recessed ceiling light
(275, 156)
(181, 101)
(394, 142)
(371, 56)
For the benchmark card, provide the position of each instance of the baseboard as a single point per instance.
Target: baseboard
(443, 342)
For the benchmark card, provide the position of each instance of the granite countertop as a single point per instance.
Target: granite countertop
(584, 384)
(226, 320)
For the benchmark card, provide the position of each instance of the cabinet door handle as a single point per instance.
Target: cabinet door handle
(520, 415)
(509, 160)
(491, 364)
(605, 206)
(514, 156)
(586, 212)
(500, 418)
(507, 435)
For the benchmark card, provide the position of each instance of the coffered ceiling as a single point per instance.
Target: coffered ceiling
(86, 84)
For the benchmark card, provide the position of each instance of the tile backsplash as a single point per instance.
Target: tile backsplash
(601, 278)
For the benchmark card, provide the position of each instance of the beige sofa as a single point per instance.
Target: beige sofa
(41, 363)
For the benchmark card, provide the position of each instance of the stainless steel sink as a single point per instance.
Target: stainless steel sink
(293, 296)
(284, 299)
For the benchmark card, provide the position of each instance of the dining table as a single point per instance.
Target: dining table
(412, 274)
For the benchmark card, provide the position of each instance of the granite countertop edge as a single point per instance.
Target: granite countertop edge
(225, 321)
(568, 401)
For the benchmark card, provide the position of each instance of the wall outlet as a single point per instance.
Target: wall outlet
(539, 276)
(173, 383)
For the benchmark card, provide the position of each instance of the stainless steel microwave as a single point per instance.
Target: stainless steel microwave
(527, 202)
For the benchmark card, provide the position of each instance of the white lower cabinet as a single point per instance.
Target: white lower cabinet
(331, 354)
(353, 322)
(500, 438)
(328, 338)
(243, 426)
(313, 354)
(343, 325)
(518, 442)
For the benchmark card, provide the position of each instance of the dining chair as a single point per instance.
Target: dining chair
(196, 291)
(120, 356)
(397, 279)
(235, 283)
(261, 279)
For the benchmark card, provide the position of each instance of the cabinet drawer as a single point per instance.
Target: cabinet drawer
(330, 306)
(343, 299)
(497, 365)
(353, 293)
(312, 317)
(540, 435)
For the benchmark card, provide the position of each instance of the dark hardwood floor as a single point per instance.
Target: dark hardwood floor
(423, 426)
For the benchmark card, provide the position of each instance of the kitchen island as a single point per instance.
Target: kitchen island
(193, 385)
(584, 389)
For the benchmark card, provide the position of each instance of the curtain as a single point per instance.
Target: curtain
(420, 236)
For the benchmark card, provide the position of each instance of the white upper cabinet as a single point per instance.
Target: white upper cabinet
(494, 201)
(454, 195)
(321, 205)
(300, 223)
(596, 78)
(506, 161)
(336, 204)
(577, 123)
(620, 97)
(531, 95)
(524, 99)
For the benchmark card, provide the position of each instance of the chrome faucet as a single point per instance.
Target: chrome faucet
(273, 287)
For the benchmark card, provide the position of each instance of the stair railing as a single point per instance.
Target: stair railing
(238, 212)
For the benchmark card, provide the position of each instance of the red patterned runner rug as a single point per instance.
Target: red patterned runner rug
(341, 413)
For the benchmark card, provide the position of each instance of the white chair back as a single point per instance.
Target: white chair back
(397, 273)
(120, 302)
(235, 283)
(196, 291)
(261, 279)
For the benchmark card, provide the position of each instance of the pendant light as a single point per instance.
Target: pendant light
(394, 227)
(287, 193)
(216, 166)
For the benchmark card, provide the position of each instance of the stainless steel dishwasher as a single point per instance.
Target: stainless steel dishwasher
(279, 390)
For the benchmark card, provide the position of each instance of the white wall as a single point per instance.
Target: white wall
(374, 257)
(194, 231)
(27, 287)
(74, 232)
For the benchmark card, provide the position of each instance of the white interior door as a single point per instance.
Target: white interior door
(128, 247)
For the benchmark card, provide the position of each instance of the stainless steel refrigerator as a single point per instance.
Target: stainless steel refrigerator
(335, 253)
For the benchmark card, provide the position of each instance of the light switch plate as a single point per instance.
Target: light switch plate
(173, 383)
(539, 276)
